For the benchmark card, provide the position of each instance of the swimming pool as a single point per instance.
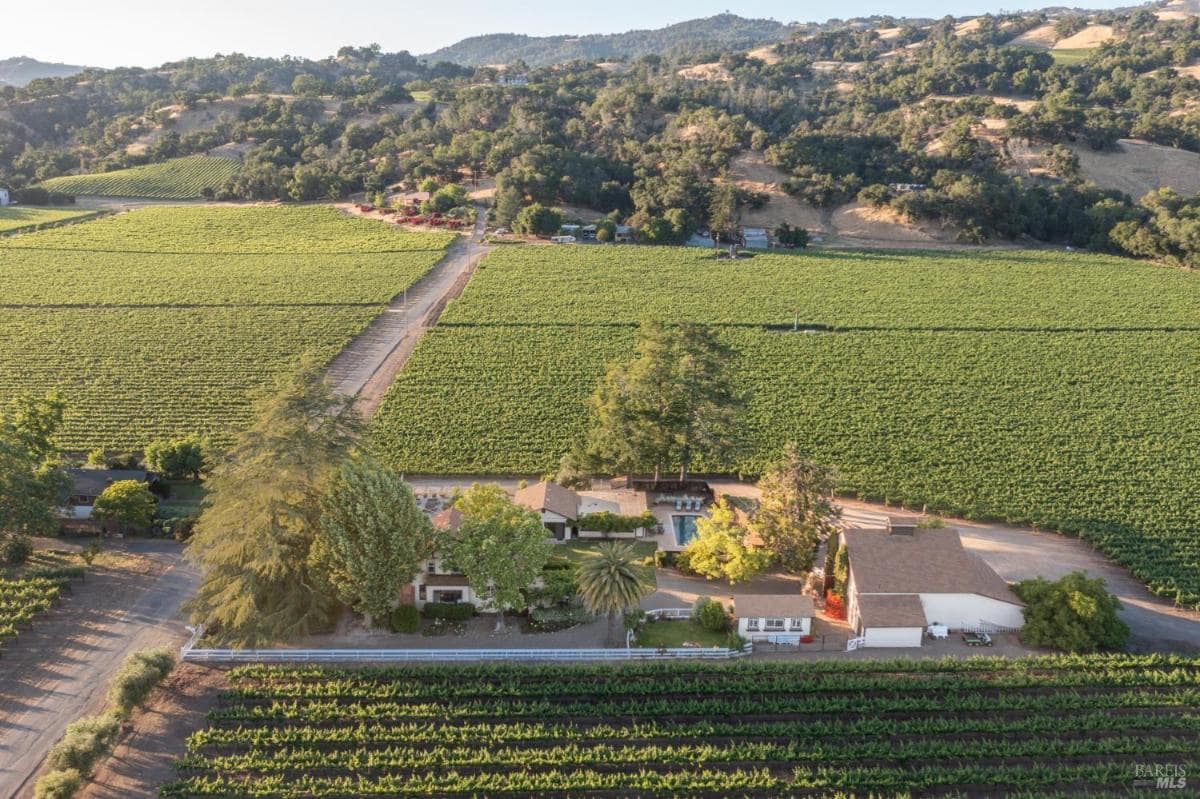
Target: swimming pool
(685, 529)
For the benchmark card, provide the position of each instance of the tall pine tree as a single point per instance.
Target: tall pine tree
(253, 538)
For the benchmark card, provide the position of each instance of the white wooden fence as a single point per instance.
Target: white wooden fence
(669, 613)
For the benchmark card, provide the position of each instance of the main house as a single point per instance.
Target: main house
(557, 506)
(905, 578)
(88, 484)
(437, 582)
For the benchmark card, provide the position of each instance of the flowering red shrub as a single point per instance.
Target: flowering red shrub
(835, 607)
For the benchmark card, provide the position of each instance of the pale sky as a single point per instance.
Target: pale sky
(152, 32)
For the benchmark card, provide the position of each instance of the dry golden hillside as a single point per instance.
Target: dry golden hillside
(1136, 168)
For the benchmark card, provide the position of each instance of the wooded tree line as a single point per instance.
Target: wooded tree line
(645, 144)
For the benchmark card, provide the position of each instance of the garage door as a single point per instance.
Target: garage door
(892, 636)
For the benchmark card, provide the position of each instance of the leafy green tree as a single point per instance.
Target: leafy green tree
(32, 484)
(372, 537)
(841, 572)
(612, 583)
(673, 402)
(724, 222)
(710, 614)
(537, 220)
(307, 85)
(606, 231)
(445, 198)
(719, 550)
(509, 200)
(1061, 162)
(129, 503)
(500, 546)
(705, 402)
(1074, 613)
(794, 237)
(796, 511)
(178, 458)
(253, 538)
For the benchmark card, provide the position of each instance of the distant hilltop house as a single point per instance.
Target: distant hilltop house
(87, 484)
(5, 198)
(907, 188)
(504, 79)
(906, 578)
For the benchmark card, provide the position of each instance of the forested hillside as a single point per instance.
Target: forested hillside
(721, 33)
(1029, 127)
(21, 70)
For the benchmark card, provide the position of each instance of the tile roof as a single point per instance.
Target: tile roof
(891, 610)
(760, 606)
(549, 496)
(927, 561)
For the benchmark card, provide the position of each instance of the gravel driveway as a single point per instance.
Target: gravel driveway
(59, 669)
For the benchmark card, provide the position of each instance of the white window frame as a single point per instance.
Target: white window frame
(774, 625)
(751, 625)
(795, 624)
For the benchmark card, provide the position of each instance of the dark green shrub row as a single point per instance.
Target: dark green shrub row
(450, 611)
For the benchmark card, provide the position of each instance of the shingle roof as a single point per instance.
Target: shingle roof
(891, 610)
(550, 496)
(759, 606)
(448, 519)
(92, 482)
(446, 580)
(929, 561)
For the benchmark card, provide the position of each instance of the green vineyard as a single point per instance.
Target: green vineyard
(176, 179)
(22, 599)
(1032, 387)
(1038, 727)
(20, 219)
(165, 321)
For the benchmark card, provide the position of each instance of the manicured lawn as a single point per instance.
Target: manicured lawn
(579, 551)
(186, 496)
(673, 634)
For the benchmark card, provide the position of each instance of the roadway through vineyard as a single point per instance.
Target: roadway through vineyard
(368, 365)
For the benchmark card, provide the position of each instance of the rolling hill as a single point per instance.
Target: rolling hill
(21, 70)
(723, 31)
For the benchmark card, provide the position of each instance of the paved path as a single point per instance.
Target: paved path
(371, 362)
(59, 670)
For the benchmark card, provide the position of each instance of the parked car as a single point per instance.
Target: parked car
(977, 639)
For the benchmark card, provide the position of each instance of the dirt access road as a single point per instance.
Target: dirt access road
(371, 362)
(59, 669)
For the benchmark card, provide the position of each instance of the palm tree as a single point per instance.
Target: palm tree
(612, 583)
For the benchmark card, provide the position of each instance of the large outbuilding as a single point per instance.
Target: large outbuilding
(906, 578)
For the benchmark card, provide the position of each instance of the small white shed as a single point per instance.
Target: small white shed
(5, 198)
(776, 618)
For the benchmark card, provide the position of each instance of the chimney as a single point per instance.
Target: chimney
(902, 525)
